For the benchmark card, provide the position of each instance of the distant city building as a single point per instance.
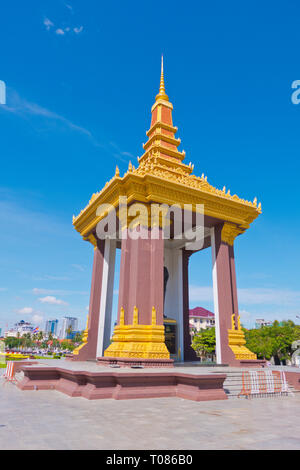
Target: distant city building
(20, 329)
(259, 322)
(70, 324)
(72, 334)
(51, 327)
(201, 319)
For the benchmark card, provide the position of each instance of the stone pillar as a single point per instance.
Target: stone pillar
(233, 286)
(139, 334)
(89, 349)
(224, 292)
(141, 277)
(104, 325)
(188, 354)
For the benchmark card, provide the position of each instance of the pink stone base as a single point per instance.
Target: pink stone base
(293, 378)
(253, 363)
(19, 364)
(124, 385)
(127, 362)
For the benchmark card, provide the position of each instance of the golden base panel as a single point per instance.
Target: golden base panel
(236, 341)
(138, 341)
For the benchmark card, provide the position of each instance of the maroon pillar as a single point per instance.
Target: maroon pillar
(141, 277)
(225, 295)
(189, 353)
(235, 306)
(88, 351)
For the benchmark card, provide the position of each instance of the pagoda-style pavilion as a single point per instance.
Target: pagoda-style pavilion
(153, 307)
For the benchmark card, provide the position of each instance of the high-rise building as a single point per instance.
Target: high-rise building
(51, 327)
(69, 325)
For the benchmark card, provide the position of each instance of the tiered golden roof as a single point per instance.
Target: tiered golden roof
(162, 177)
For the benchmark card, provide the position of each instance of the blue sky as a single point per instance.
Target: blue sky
(81, 78)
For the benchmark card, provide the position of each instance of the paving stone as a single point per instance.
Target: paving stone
(51, 420)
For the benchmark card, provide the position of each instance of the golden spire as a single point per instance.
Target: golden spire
(162, 92)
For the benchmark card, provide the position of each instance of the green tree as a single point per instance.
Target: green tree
(69, 331)
(40, 335)
(204, 343)
(11, 342)
(78, 337)
(273, 341)
(67, 345)
(26, 340)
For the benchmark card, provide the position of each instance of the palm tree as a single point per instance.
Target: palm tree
(69, 331)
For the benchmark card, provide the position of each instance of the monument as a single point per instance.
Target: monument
(153, 305)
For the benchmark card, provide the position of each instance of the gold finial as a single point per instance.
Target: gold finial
(153, 316)
(135, 315)
(117, 171)
(122, 316)
(162, 92)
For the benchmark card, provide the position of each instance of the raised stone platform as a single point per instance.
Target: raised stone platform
(92, 381)
(127, 362)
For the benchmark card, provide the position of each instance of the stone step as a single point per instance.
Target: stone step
(233, 386)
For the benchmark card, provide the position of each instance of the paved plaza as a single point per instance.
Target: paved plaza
(51, 420)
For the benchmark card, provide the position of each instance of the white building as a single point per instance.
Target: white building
(200, 319)
(259, 322)
(69, 324)
(20, 329)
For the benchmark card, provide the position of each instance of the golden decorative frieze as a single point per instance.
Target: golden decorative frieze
(229, 233)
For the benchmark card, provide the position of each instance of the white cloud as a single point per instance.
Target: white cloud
(52, 300)
(48, 23)
(47, 277)
(78, 266)
(38, 291)
(200, 293)
(37, 319)
(23, 108)
(25, 310)
(59, 31)
(250, 296)
(78, 30)
(3, 289)
(268, 296)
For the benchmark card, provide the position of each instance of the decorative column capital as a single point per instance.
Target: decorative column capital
(92, 239)
(230, 232)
